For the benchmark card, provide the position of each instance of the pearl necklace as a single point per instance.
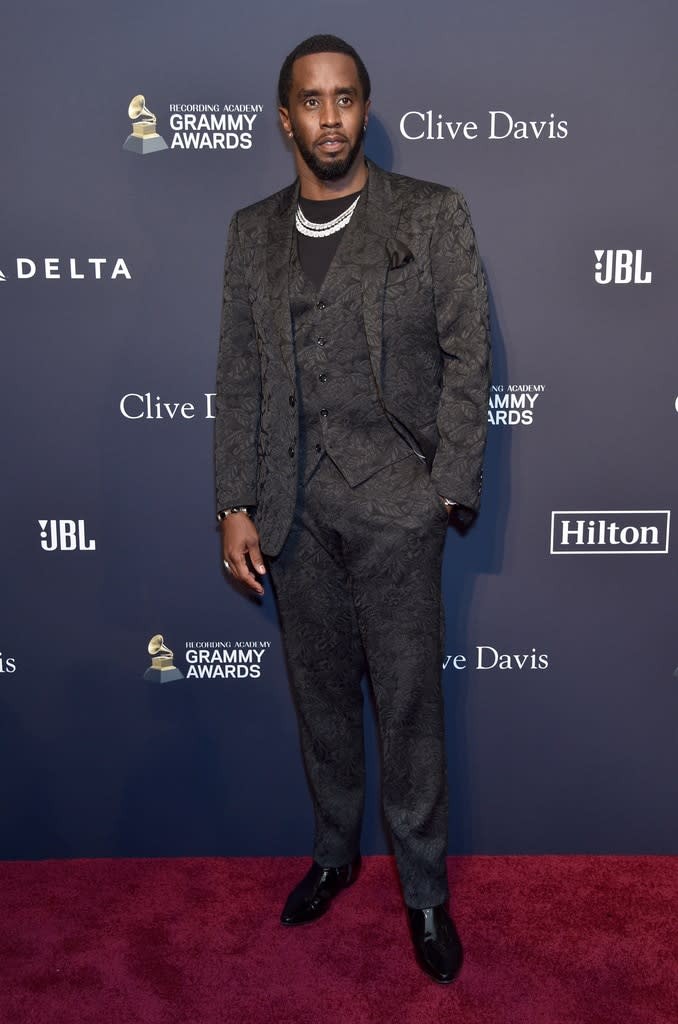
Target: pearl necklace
(307, 227)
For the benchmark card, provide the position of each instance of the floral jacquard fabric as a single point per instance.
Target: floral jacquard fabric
(344, 447)
(340, 414)
(426, 322)
(358, 586)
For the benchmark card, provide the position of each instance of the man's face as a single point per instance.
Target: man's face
(326, 113)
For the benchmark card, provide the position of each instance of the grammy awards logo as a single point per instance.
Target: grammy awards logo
(161, 669)
(144, 137)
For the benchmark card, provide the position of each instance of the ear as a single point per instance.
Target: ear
(285, 120)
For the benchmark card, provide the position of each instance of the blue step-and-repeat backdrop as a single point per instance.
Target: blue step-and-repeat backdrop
(557, 124)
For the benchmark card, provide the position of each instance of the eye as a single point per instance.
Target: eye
(347, 98)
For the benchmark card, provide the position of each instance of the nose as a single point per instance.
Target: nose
(329, 115)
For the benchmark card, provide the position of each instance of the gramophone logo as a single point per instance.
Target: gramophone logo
(161, 669)
(144, 138)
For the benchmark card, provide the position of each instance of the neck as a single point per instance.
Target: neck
(311, 187)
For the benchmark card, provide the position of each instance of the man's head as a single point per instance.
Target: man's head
(324, 96)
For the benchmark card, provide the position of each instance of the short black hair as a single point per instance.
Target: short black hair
(319, 44)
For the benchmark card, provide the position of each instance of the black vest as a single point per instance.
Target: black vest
(339, 409)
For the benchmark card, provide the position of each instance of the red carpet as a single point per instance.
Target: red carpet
(548, 940)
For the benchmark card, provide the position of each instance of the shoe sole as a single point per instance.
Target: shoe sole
(308, 920)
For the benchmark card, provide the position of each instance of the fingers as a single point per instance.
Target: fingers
(241, 551)
(235, 560)
(240, 571)
(257, 560)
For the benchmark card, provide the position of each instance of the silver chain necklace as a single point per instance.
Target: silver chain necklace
(308, 227)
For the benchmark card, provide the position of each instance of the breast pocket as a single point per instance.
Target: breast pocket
(400, 275)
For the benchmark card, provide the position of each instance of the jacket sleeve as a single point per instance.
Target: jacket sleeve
(238, 387)
(463, 324)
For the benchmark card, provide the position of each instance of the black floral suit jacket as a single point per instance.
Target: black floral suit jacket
(425, 309)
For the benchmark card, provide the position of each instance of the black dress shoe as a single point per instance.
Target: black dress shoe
(437, 945)
(314, 893)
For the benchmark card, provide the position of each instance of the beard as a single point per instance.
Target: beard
(335, 168)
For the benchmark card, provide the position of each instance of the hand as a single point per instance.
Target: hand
(448, 505)
(240, 537)
(461, 517)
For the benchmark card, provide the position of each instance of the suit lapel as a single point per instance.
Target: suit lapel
(383, 215)
(279, 243)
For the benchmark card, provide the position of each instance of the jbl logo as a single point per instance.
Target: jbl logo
(620, 266)
(64, 535)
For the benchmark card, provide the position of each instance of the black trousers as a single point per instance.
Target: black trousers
(358, 585)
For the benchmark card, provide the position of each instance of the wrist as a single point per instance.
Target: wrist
(223, 513)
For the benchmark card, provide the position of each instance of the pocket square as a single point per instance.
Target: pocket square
(398, 253)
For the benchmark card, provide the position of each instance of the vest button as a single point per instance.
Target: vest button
(323, 412)
(318, 447)
(322, 377)
(320, 305)
(321, 341)
(291, 399)
(291, 450)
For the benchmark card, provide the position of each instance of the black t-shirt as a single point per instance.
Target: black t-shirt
(315, 254)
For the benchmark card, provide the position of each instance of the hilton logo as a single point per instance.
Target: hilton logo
(64, 535)
(620, 266)
(610, 533)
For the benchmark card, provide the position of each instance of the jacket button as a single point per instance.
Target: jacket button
(320, 305)
(318, 447)
(323, 412)
(322, 377)
(291, 450)
(291, 399)
(320, 341)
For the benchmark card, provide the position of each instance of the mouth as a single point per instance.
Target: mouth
(331, 143)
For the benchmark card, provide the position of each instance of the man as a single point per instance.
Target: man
(352, 394)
